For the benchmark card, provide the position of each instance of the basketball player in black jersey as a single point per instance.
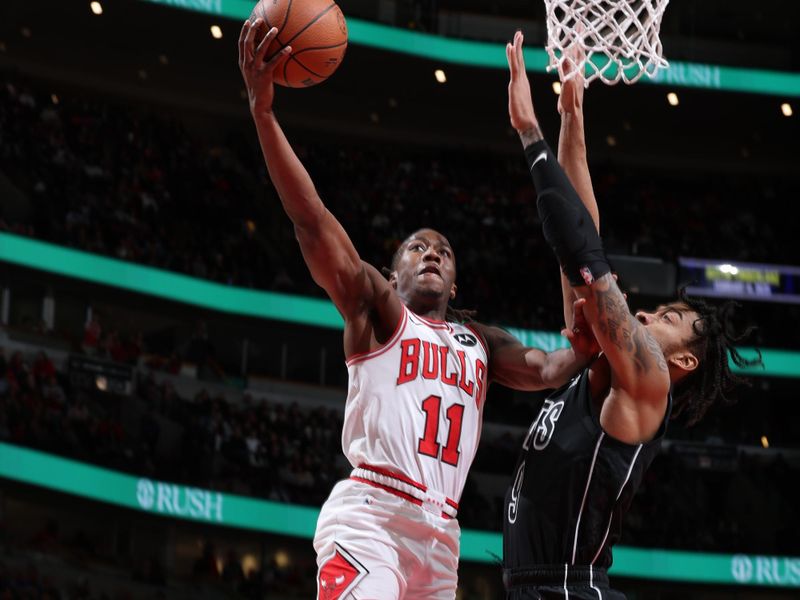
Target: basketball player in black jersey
(586, 452)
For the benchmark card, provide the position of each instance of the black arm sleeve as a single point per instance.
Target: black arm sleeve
(567, 225)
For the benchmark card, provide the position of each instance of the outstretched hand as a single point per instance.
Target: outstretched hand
(570, 100)
(258, 74)
(520, 104)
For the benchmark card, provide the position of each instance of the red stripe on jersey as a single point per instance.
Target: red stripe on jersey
(398, 333)
(477, 333)
(395, 492)
(434, 323)
(391, 490)
(394, 475)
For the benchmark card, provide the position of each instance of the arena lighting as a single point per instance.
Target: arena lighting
(249, 563)
(96, 7)
(176, 501)
(786, 109)
(764, 441)
(282, 559)
(557, 87)
(440, 76)
(729, 269)
(672, 98)
(216, 32)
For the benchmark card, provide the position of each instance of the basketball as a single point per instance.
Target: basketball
(316, 31)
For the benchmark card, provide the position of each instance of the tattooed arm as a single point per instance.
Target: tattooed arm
(639, 376)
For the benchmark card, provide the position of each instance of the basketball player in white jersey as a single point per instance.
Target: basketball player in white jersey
(417, 384)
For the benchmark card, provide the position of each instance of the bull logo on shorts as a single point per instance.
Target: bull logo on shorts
(339, 575)
(543, 428)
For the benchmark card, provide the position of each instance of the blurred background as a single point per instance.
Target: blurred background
(172, 382)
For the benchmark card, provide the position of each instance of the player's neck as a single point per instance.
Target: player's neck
(427, 311)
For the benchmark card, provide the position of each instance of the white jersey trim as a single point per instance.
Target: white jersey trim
(591, 583)
(398, 332)
(585, 493)
(611, 516)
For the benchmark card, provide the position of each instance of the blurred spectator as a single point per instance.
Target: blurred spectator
(4, 384)
(92, 334)
(205, 566)
(202, 353)
(232, 572)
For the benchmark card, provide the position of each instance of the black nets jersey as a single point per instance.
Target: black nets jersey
(572, 484)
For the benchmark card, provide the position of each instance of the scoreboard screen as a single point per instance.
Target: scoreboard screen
(743, 281)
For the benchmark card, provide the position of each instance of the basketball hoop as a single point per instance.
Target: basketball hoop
(617, 39)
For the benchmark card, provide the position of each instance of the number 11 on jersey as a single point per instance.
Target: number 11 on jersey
(428, 444)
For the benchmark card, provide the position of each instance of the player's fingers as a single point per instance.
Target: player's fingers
(250, 36)
(261, 51)
(580, 53)
(278, 59)
(242, 35)
(518, 39)
(512, 63)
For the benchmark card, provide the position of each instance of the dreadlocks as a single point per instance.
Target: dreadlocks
(715, 338)
(453, 315)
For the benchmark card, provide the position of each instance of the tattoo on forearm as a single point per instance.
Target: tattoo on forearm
(530, 136)
(623, 330)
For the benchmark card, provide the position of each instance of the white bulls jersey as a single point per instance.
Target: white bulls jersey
(415, 405)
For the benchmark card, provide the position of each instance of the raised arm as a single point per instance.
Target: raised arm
(639, 376)
(328, 251)
(572, 139)
(572, 145)
(572, 155)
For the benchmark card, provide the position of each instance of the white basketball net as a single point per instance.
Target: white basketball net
(619, 38)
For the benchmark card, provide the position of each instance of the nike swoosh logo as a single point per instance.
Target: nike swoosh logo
(542, 156)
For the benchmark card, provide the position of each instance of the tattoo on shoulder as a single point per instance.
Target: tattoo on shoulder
(623, 330)
(656, 352)
(531, 136)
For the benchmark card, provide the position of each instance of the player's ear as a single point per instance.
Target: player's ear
(453, 290)
(393, 279)
(683, 359)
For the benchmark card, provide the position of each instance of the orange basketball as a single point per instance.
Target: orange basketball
(316, 31)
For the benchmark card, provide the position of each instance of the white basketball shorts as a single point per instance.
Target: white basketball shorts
(374, 545)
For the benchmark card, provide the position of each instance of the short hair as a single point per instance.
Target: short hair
(714, 340)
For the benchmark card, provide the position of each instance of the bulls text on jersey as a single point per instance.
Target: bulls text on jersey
(428, 360)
